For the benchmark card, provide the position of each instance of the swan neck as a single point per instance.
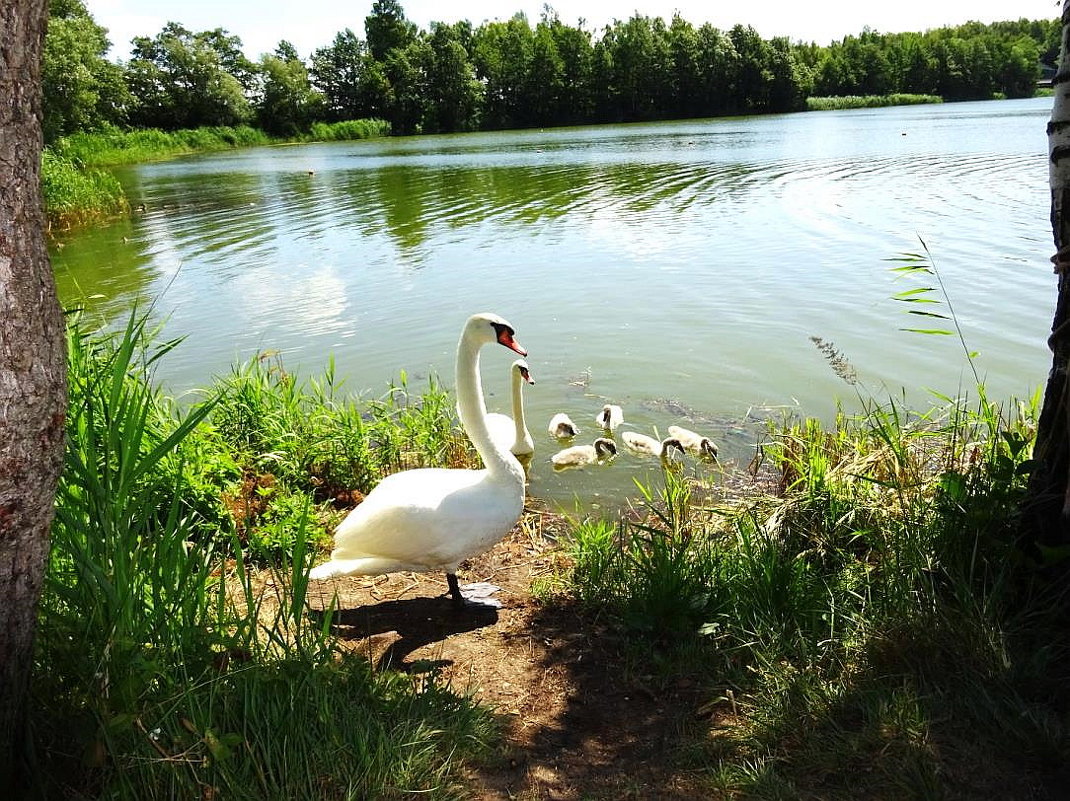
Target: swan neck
(518, 405)
(473, 412)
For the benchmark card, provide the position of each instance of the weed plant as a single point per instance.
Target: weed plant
(164, 670)
(292, 441)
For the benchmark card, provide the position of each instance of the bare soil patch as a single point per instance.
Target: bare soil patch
(577, 725)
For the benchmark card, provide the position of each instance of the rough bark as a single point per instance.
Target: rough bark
(32, 375)
(1046, 514)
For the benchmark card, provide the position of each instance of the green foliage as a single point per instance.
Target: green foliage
(74, 196)
(165, 667)
(343, 73)
(454, 77)
(387, 29)
(81, 89)
(964, 62)
(288, 104)
(182, 79)
(875, 597)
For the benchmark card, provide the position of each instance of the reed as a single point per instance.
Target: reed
(868, 101)
(346, 130)
(75, 196)
(111, 147)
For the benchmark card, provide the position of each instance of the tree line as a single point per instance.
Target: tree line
(510, 74)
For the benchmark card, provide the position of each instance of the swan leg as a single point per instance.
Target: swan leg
(460, 602)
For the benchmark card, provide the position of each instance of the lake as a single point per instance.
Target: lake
(679, 269)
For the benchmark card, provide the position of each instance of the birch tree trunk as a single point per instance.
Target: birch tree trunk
(32, 375)
(1046, 514)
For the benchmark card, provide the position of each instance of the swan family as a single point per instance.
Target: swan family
(432, 519)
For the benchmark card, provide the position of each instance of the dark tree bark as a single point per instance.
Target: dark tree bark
(32, 376)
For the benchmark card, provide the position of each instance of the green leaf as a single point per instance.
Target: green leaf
(920, 290)
(939, 331)
(927, 314)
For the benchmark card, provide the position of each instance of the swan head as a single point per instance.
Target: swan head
(605, 447)
(610, 417)
(668, 446)
(486, 328)
(521, 367)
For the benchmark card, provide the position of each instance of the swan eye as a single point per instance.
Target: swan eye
(526, 375)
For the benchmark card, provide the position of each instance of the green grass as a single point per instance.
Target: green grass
(76, 196)
(163, 670)
(112, 147)
(862, 623)
(346, 130)
(868, 101)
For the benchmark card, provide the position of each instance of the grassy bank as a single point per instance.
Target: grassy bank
(868, 101)
(865, 626)
(860, 622)
(163, 670)
(78, 189)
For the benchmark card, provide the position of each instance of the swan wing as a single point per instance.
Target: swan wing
(427, 519)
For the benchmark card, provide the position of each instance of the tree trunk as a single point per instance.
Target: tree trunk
(1046, 513)
(32, 376)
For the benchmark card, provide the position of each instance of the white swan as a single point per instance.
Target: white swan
(610, 417)
(511, 433)
(694, 442)
(562, 427)
(641, 443)
(434, 518)
(579, 455)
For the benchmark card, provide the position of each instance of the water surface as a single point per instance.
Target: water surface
(679, 269)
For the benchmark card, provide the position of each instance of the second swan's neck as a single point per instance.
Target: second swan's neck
(518, 406)
(473, 412)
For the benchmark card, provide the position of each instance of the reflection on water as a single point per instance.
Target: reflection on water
(680, 269)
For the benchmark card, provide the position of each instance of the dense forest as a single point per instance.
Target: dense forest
(457, 77)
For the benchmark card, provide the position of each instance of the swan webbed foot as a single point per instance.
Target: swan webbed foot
(478, 598)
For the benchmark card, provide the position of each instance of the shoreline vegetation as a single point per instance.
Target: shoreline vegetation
(79, 190)
(868, 101)
(870, 587)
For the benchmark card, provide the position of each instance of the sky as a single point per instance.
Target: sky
(310, 24)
